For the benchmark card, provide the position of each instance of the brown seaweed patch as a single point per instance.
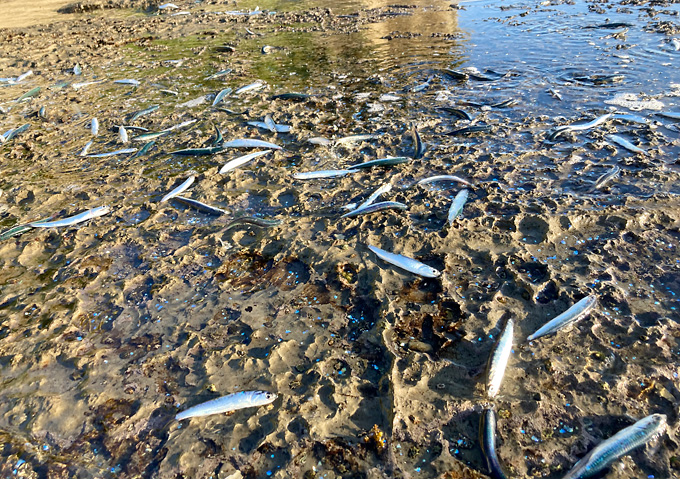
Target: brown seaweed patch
(253, 272)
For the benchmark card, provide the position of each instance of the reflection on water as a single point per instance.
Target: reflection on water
(107, 330)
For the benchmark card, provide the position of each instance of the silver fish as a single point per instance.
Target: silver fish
(487, 433)
(94, 127)
(23, 76)
(406, 263)
(354, 139)
(231, 402)
(211, 210)
(73, 220)
(263, 125)
(418, 145)
(180, 189)
(318, 140)
(127, 82)
(250, 144)
(389, 161)
(433, 179)
(124, 151)
(269, 123)
(457, 206)
(671, 115)
(220, 96)
(122, 134)
(372, 208)
(252, 87)
(570, 316)
(86, 148)
(312, 175)
(137, 115)
(626, 144)
(498, 360)
(78, 86)
(77, 70)
(219, 74)
(607, 177)
(241, 160)
(620, 444)
(181, 125)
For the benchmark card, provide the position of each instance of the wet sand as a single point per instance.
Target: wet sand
(109, 329)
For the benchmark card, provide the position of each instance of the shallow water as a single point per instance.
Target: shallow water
(110, 328)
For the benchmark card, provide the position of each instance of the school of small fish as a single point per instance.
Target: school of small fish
(597, 459)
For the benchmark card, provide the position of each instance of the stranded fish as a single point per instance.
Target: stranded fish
(372, 208)
(143, 112)
(220, 96)
(253, 220)
(19, 229)
(28, 94)
(354, 138)
(487, 432)
(122, 134)
(456, 112)
(418, 146)
(313, 175)
(607, 177)
(498, 360)
(620, 444)
(198, 151)
(94, 127)
(151, 136)
(180, 189)
(383, 189)
(406, 263)
(250, 144)
(432, 179)
(73, 220)
(229, 403)
(570, 316)
(211, 210)
(219, 74)
(619, 140)
(389, 161)
(241, 160)
(457, 206)
(86, 148)
(127, 82)
(145, 149)
(253, 86)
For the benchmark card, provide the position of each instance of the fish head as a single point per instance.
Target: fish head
(429, 271)
(658, 421)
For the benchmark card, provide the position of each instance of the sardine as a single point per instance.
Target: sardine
(151, 136)
(354, 138)
(487, 432)
(433, 179)
(124, 151)
(145, 149)
(580, 127)
(470, 129)
(86, 148)
(269, 123)
(252, 87)
(457, 206)
(423, 86)
(498, 360)
(253, 220)
(19, 229)
(620, 444)
(219, 74)
(23, 76)
(122, 134)
(180, 189)
(211, 210)
(372, 208)
(418, 146)
(250, 144)
(211, 150)
(576, 312)
(16, 131)
(382, 190)
(455, 112)
(458, 76)
(263, 125)
(312, 175)
(671, 115)
(220, 96)
(94, 127)
(389, 161)
(318, 140)
(77, 70)
(219, 139)
(28, 94)
(181, 125)
(632, 118)
(73, 220)
(619, 140)
(143, 112)
(607, 177)
(406, 263)
(127, 82)
(229, 403)
(241, 160)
